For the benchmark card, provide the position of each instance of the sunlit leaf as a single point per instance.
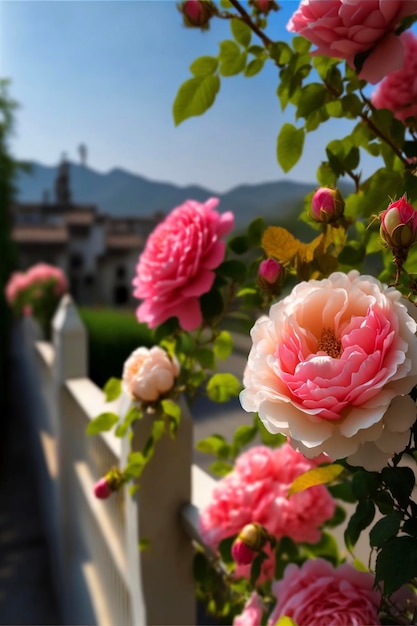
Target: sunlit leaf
(316, 476)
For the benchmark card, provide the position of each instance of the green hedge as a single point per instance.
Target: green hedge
(112, 336)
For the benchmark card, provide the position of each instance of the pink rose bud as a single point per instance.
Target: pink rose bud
(112, 481)
(399, 224)
(327, 205)
(249, 541)
(197, 13)
(271, 275)
(264, 6)
(241, 553)
(102, 489)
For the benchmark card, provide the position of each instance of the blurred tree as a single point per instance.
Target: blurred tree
(8, 170)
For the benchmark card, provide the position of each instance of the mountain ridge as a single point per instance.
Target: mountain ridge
(122, 193)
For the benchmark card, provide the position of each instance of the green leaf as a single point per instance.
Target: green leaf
(364, 484)
(239, 244)
(241, 31)
(327, 548)
(103, 422)
(236, 270)
(112, 389)
(312, 97)
(195, 96)
(133, 414)
(223, 345)
(223, 386)
(289, 146)
(256, 567)
(214, 445)
(206, 358)
(255, 231)
(211, 304)
(396, 563)
(361, 519)
(254, 67)
(225, 550)
(400, 481)
(221, 468)
(300, 44)
(244, 435)
(204, 66)
(171, 408)
(316, 476)
(385, 529)
(135, 465)
(232, 60)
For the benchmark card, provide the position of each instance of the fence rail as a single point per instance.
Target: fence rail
(101, 575)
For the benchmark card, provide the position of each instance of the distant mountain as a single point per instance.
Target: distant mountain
(121, 193)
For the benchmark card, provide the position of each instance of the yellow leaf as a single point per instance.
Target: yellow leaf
(285, 621)
(316, 476)
(279, 243)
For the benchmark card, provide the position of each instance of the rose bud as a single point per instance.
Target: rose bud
(112, 481)
(399, 224)
(271, 275)
(241, 553)
(249, 541)
(102, 489)
(197, 13)
(327, 205)
(264, 6)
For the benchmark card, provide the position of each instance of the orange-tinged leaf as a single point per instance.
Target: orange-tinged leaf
(280, 243)
(317, 476)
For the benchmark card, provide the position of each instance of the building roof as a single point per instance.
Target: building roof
(79, 218)
(124, 241)
(41, 235)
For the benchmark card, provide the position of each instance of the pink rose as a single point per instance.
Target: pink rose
(256, 491)
(331, 367)
(42, 272)
(345, 28)
(252, 612)
(177, 265)
(317, 594)
(398, 91)
(149, 374)
(16, 285)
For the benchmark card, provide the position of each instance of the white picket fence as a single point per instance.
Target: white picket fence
(102, 577)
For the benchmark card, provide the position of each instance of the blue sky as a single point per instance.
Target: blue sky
(105, 73)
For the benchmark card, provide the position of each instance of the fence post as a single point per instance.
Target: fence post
(70, 342)
(69, 338)
(164, 487)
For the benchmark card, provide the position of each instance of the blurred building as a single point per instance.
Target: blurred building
(98, 253)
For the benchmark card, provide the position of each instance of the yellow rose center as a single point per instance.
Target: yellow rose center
(329, 343)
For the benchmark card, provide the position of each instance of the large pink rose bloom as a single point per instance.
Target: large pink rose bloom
(177, 265)
(331, 367)
(256, 491)
(317, 594)
(398, 91)
(345, 28)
